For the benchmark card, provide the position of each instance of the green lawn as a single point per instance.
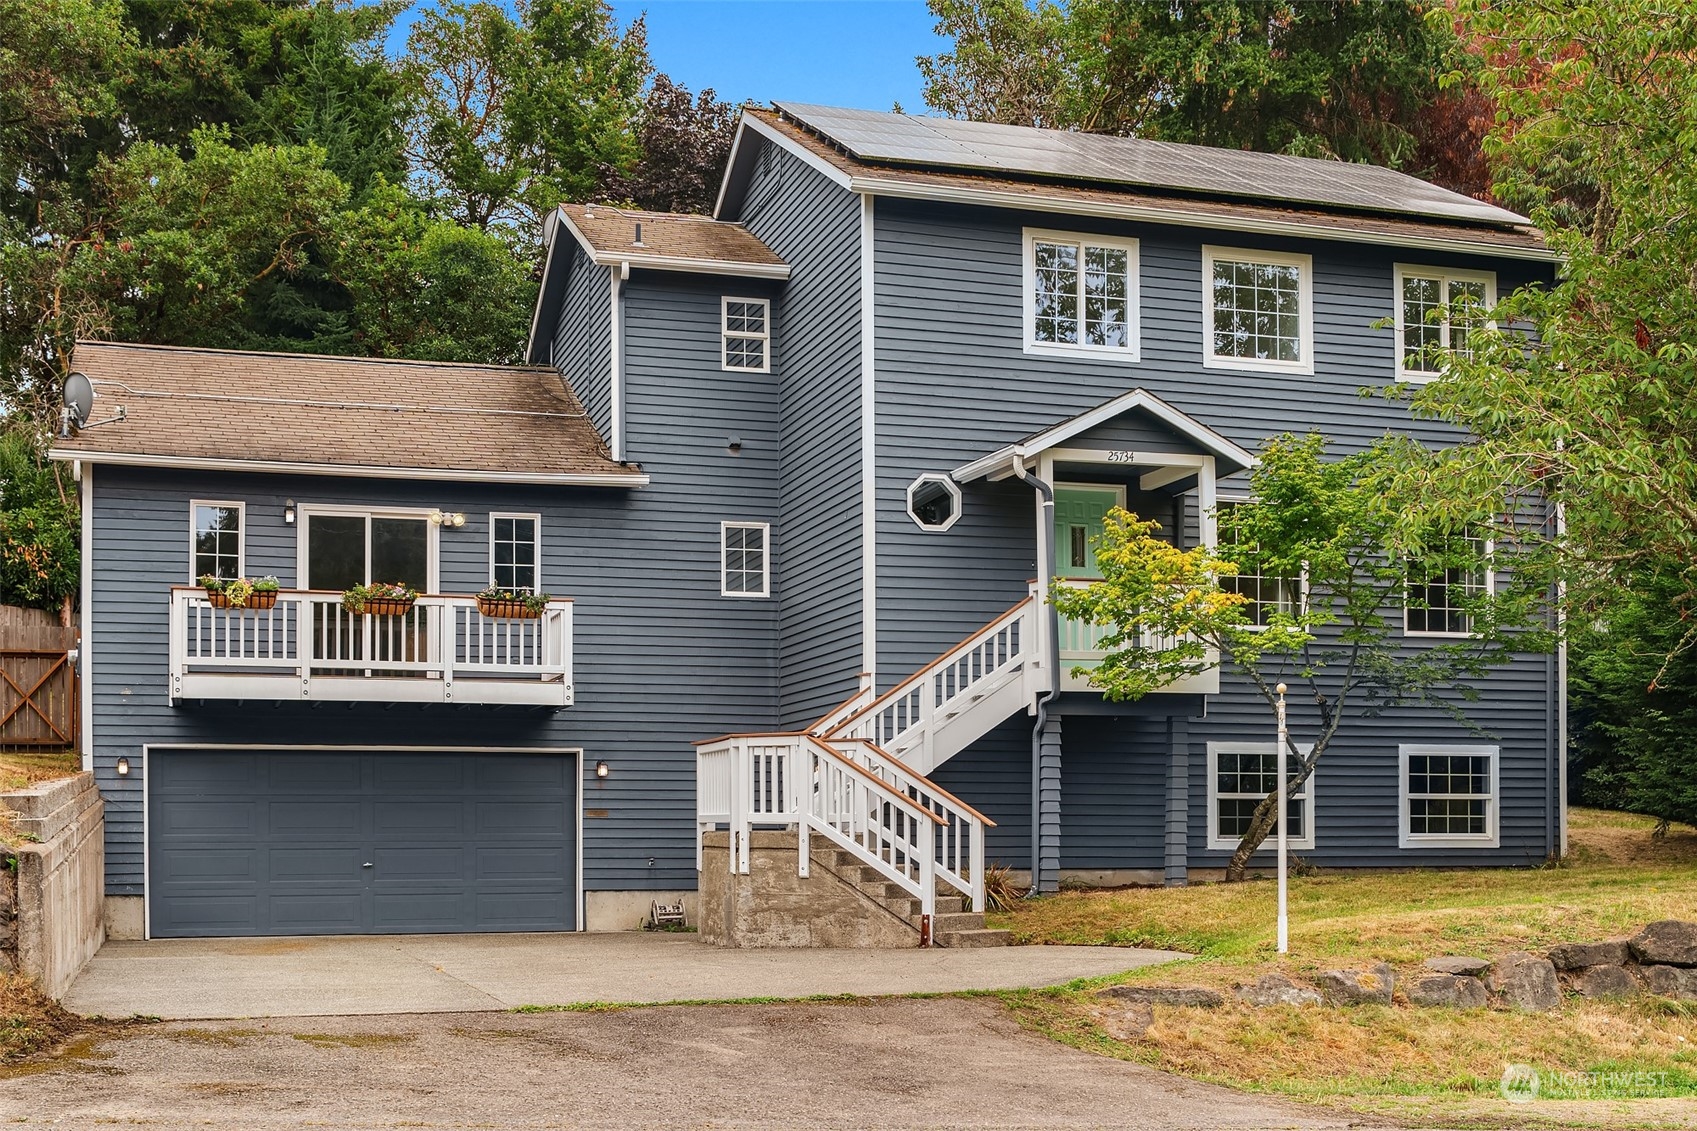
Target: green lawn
(1424, 1065)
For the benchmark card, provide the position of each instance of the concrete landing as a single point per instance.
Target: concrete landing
(303, 977)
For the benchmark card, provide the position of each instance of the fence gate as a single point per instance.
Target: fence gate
(38, 681)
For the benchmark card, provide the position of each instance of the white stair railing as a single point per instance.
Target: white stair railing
(960, 842)
(907, 717)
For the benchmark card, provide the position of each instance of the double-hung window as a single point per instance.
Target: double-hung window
(515, 544)
(1441, 598)
(216, 540)
(747, 334)
(745, 559)
(1449, 796)
(1081, 294)
(1437, 311)
(1257, 310)
(1240, 776)
(1267, 592)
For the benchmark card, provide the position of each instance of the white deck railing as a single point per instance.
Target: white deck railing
(910, 717)
(1080, 646)
(309, 647)
(910, 830)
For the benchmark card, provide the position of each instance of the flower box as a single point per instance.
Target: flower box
(514, 608)
(387, 606)
(258, 599)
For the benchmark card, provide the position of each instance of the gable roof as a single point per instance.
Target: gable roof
(1085, 186)
(248, 411)
(998, 464)
(672, 241)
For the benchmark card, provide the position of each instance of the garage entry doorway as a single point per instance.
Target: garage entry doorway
(339, 841)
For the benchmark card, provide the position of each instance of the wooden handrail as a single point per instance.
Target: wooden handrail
(917, 776)
(942, 659)
(749, 734)
(895, 794)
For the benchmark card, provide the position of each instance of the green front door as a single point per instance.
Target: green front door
(1079, 512)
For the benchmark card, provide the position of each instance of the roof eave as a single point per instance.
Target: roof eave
(353, 471)
(694, 266)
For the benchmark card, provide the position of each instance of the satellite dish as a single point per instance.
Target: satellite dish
(79, 398)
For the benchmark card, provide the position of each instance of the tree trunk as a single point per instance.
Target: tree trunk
(1260, 824)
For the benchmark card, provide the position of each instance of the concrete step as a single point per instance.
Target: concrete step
(977, 938)
(957, 921)
(950, 904)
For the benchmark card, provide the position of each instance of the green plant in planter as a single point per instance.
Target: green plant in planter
(235, 591)
(267, 584)
(356, 597)
(534, 603)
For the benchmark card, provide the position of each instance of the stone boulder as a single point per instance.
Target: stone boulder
(1670, 942)
(1358, 987)
(1197, 996)
(1276, 989)
(1579, 955)
(1456, 991)
(1525, 981)
(1459, 964)
(1608, 981)
(1671, 982)
(1128, 1022)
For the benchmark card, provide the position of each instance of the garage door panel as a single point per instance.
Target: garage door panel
(276, 842)
(305, 817)
(521, 864)
(414, 817)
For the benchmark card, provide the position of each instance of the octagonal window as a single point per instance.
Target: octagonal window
(933, 501)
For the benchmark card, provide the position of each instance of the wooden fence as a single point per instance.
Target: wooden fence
(38, 680)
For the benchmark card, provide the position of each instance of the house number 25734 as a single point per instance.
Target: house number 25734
(1122, 457)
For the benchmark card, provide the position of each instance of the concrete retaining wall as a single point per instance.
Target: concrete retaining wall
(51, 900)
(772, 906)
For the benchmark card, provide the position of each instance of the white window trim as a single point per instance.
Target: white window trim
(1219, 843)
(433, 535)
(1490, 590)
(949, 485)
(765, 559)
(537, 519)
(1132, 351)
(1490, 838)
(1305, 309)
(241, 534)
(1223, 501)
(726, 334)
(1405, 270)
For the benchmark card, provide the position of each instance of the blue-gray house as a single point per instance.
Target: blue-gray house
(795, 476)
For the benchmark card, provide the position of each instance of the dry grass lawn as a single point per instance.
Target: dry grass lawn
(30, 1021)
(1425, 1065)
(19, 771)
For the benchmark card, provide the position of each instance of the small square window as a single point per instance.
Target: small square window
(744, 559)
(216, 540)
(1440, 600)
(1268, 593)
(515, 552)
(1449, 796)
(747, 334)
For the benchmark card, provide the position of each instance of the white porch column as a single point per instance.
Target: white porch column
(1207, 502)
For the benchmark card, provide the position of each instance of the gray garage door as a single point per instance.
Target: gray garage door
(371, 842)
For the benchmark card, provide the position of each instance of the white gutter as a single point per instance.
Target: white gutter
(355, 471)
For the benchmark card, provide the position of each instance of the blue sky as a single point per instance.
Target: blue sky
(857, 53)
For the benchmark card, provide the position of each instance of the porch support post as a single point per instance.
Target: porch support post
(1177, 872)
(1207, 503)
(1046, 869)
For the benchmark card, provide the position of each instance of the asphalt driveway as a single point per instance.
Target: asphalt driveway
(890, 1063)
(360, 975)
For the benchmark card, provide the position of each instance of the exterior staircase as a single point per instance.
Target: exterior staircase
(951, 923)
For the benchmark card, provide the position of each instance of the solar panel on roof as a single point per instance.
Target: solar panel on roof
(985, 146)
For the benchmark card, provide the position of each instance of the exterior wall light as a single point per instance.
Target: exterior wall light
(449, 519)
(123, 767)
(601, 770)
(289, 512)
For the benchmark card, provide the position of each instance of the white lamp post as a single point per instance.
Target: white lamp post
(1283, 814)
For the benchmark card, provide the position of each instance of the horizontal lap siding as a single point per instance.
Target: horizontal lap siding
(1113, 792)
(954, 384)
(994, 777)
(814, 225)
(661, 659)
(582, 343)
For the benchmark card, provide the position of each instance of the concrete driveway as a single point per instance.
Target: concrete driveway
(302, 977)
(895, 1063)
